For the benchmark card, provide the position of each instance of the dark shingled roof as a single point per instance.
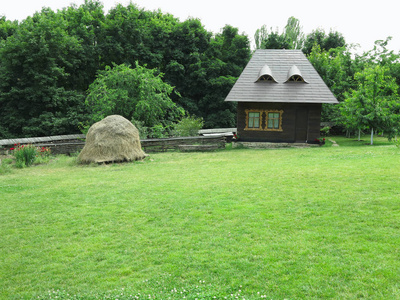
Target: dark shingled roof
(280, 62)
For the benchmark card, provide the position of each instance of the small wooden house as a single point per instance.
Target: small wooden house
(279, 96)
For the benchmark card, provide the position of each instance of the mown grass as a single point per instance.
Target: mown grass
(279, 224)
(365, 140)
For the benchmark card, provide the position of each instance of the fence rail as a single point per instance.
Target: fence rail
(43, 139)
(199, 143)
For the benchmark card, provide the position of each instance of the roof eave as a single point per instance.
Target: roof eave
(285, 101)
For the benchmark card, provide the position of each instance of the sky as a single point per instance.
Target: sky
(360, 22)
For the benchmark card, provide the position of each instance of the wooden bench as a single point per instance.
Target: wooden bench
(217, 131)
(225, 132)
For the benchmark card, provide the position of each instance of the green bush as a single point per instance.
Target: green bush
(143, 130)
(84, 127)
(189, 126)
(158, 132)
(155, 132)
(5, 165)
(325, 131)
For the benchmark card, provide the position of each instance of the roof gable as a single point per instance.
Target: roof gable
(282, 64)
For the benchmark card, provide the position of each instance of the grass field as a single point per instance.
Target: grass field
(310, 223)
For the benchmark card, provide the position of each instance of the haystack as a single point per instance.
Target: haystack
(113, 139)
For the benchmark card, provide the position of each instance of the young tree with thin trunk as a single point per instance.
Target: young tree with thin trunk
(374, 103)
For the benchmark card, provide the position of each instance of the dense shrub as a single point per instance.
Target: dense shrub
(189, 126)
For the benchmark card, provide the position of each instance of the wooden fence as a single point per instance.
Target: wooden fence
(69, 144)
(197, 143)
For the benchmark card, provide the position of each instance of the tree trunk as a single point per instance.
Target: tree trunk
(372, 136)
(359, 134)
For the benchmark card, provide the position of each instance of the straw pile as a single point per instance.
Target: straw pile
(113, 139)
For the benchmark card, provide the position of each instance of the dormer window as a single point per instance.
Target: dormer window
(294, 75)
(266, 78)
(296, 78)
(265, 74)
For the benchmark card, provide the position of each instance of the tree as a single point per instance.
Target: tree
(223, 62)
(381, 55)
(132, 34)
(294, 33)
(276, 41)
(86, 24)
(375, 102)
(271, 39)
(326, 42)
(337, 68)
(34, 97)
(136, 94)
(183, 58)
(204, 68)
(291, 38)
(260, 36)
(7, 28)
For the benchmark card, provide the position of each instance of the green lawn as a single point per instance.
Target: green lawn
(308, 223)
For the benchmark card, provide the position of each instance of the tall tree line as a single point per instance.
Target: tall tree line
(49, 60)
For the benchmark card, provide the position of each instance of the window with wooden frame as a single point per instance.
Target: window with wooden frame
(253, 119)
(273, 120)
